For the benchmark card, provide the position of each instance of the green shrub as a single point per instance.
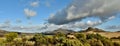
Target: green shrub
(95, 36)
(60, 34)
(17, 42)
(95, 42)
(72, 42)
(90, 36)
(50, 39)
(2, 42)
(39, 39)
(59, 44)
(116, 44)
(107, 42)
(11, 36)
(80, 36)
(86, 44)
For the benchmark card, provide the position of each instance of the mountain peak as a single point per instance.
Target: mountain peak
(94, 29)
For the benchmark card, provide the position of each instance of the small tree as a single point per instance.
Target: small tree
(10, 36)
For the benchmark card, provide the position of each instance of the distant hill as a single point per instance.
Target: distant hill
(92, 29)
(89, 30)
(2, 32)
(65, 31)
(118, 31)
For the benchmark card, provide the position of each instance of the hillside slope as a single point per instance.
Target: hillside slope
(91, 30)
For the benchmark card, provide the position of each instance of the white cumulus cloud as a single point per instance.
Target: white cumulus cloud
(30, 12)
(34, 4)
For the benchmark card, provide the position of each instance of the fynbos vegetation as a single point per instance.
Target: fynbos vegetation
(59, 39)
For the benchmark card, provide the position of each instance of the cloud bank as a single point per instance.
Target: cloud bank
(113, 27)
(80, 9)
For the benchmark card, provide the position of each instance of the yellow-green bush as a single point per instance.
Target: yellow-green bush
(11, 36)
(2, 42)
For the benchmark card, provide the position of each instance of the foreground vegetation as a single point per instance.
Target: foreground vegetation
(59, 39)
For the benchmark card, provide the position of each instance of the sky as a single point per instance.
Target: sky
(48, 15)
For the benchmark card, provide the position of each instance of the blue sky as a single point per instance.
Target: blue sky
(26, 14)
(14, 9)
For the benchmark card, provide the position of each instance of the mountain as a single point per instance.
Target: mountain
(65, 31)
(93, 30)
